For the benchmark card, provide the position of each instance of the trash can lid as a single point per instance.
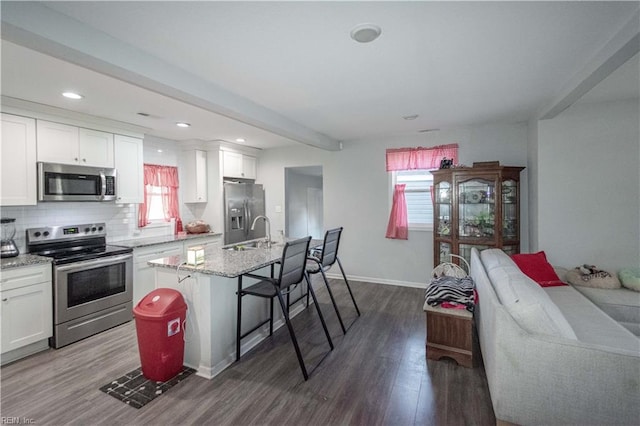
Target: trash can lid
(159, 303)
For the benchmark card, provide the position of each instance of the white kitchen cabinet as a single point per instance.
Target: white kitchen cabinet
(237, 165)
(96, 148)
(27, 310)
(130, 169)
(249, 167)
(18, 161)
(144, 279)
(195, 186)
(65, 144)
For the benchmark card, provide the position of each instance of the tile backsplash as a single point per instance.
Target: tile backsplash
(121, 219)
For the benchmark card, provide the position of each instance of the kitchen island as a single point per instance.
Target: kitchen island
(210, 291)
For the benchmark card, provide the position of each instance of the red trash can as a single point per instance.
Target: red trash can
(160, 318)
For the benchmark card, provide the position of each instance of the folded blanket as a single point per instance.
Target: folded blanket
(451, 291)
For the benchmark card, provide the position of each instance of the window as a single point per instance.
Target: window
(409, 169)
(418, 197)
(156, 209)
(160, 195)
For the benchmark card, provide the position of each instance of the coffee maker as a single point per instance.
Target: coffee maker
(8, 247)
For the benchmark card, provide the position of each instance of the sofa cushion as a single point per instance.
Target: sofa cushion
(630, 278)
(523, 298)
(622, 304)
(589, 323)
(536, 267)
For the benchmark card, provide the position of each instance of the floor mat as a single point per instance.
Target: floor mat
(136, 390)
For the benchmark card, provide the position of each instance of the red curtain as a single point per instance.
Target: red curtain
(165, 177)
(398, 227)
(420, 158)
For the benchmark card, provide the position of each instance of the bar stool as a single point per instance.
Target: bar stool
(322, 260)
(292, 271)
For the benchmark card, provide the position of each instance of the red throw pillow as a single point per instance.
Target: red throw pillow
(536, 267)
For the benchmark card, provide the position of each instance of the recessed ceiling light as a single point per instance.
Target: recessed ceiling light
(240, 140)
(72, 95)
(160, 151)
(410, 117)
(181, 124)
(365, 33)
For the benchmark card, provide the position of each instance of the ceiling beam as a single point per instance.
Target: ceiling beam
(622, 47)
(42, 29)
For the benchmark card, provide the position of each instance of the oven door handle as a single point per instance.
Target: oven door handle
(94, 263)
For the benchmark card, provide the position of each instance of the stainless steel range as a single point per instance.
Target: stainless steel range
(92, 281)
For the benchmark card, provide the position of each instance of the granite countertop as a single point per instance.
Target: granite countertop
(228, 263)
(225, 263)
(23, 260)
(164, 239)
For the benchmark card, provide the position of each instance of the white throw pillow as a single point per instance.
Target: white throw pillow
(526, 301)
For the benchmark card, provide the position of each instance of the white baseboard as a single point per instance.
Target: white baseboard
(338, 276)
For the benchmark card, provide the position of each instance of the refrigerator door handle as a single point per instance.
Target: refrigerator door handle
(246, 217)
(249, 219)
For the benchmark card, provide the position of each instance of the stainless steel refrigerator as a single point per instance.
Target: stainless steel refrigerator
(242, 203)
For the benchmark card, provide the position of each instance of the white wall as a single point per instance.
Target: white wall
(297, 213)
(589, 185)
(357, 196)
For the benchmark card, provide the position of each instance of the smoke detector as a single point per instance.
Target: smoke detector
(365, 33)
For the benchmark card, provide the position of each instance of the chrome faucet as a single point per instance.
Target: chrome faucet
(266, 219)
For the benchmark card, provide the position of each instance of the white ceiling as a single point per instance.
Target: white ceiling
(451, 63)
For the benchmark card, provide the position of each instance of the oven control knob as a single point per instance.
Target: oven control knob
(37, 234)
(93, 229)
(100, 228)
(46, 233)
(87, 230)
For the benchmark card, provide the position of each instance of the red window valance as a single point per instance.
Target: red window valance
(420, 158)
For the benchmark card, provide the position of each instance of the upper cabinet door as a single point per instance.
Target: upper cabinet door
(231, 164)
(57, 143)
(18, 161)
(249, 167)
(195, 187)
(130, 169)
(95, 148)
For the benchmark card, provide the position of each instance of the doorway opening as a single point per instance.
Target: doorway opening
(303, 202)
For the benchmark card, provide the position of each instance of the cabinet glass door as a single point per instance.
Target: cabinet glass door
(444, 251)
(510, 225)
(476, 209)
(442, 226)
(511, 250)
(465, 250)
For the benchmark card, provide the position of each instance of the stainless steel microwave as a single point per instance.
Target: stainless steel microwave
(63, 182)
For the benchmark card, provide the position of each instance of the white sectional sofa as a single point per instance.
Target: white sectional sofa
(551, 356)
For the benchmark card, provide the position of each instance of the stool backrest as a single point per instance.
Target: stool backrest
(330, 247)
(294, 262)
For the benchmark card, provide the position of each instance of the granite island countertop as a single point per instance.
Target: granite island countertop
(228, 263)
(163, 239)
(24, 260)
(225, 263)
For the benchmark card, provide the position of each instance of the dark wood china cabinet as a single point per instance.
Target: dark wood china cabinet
(475, 206)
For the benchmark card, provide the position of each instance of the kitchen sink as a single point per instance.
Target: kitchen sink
(249, 245)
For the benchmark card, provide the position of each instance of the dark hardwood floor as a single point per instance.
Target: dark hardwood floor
(376, 375)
